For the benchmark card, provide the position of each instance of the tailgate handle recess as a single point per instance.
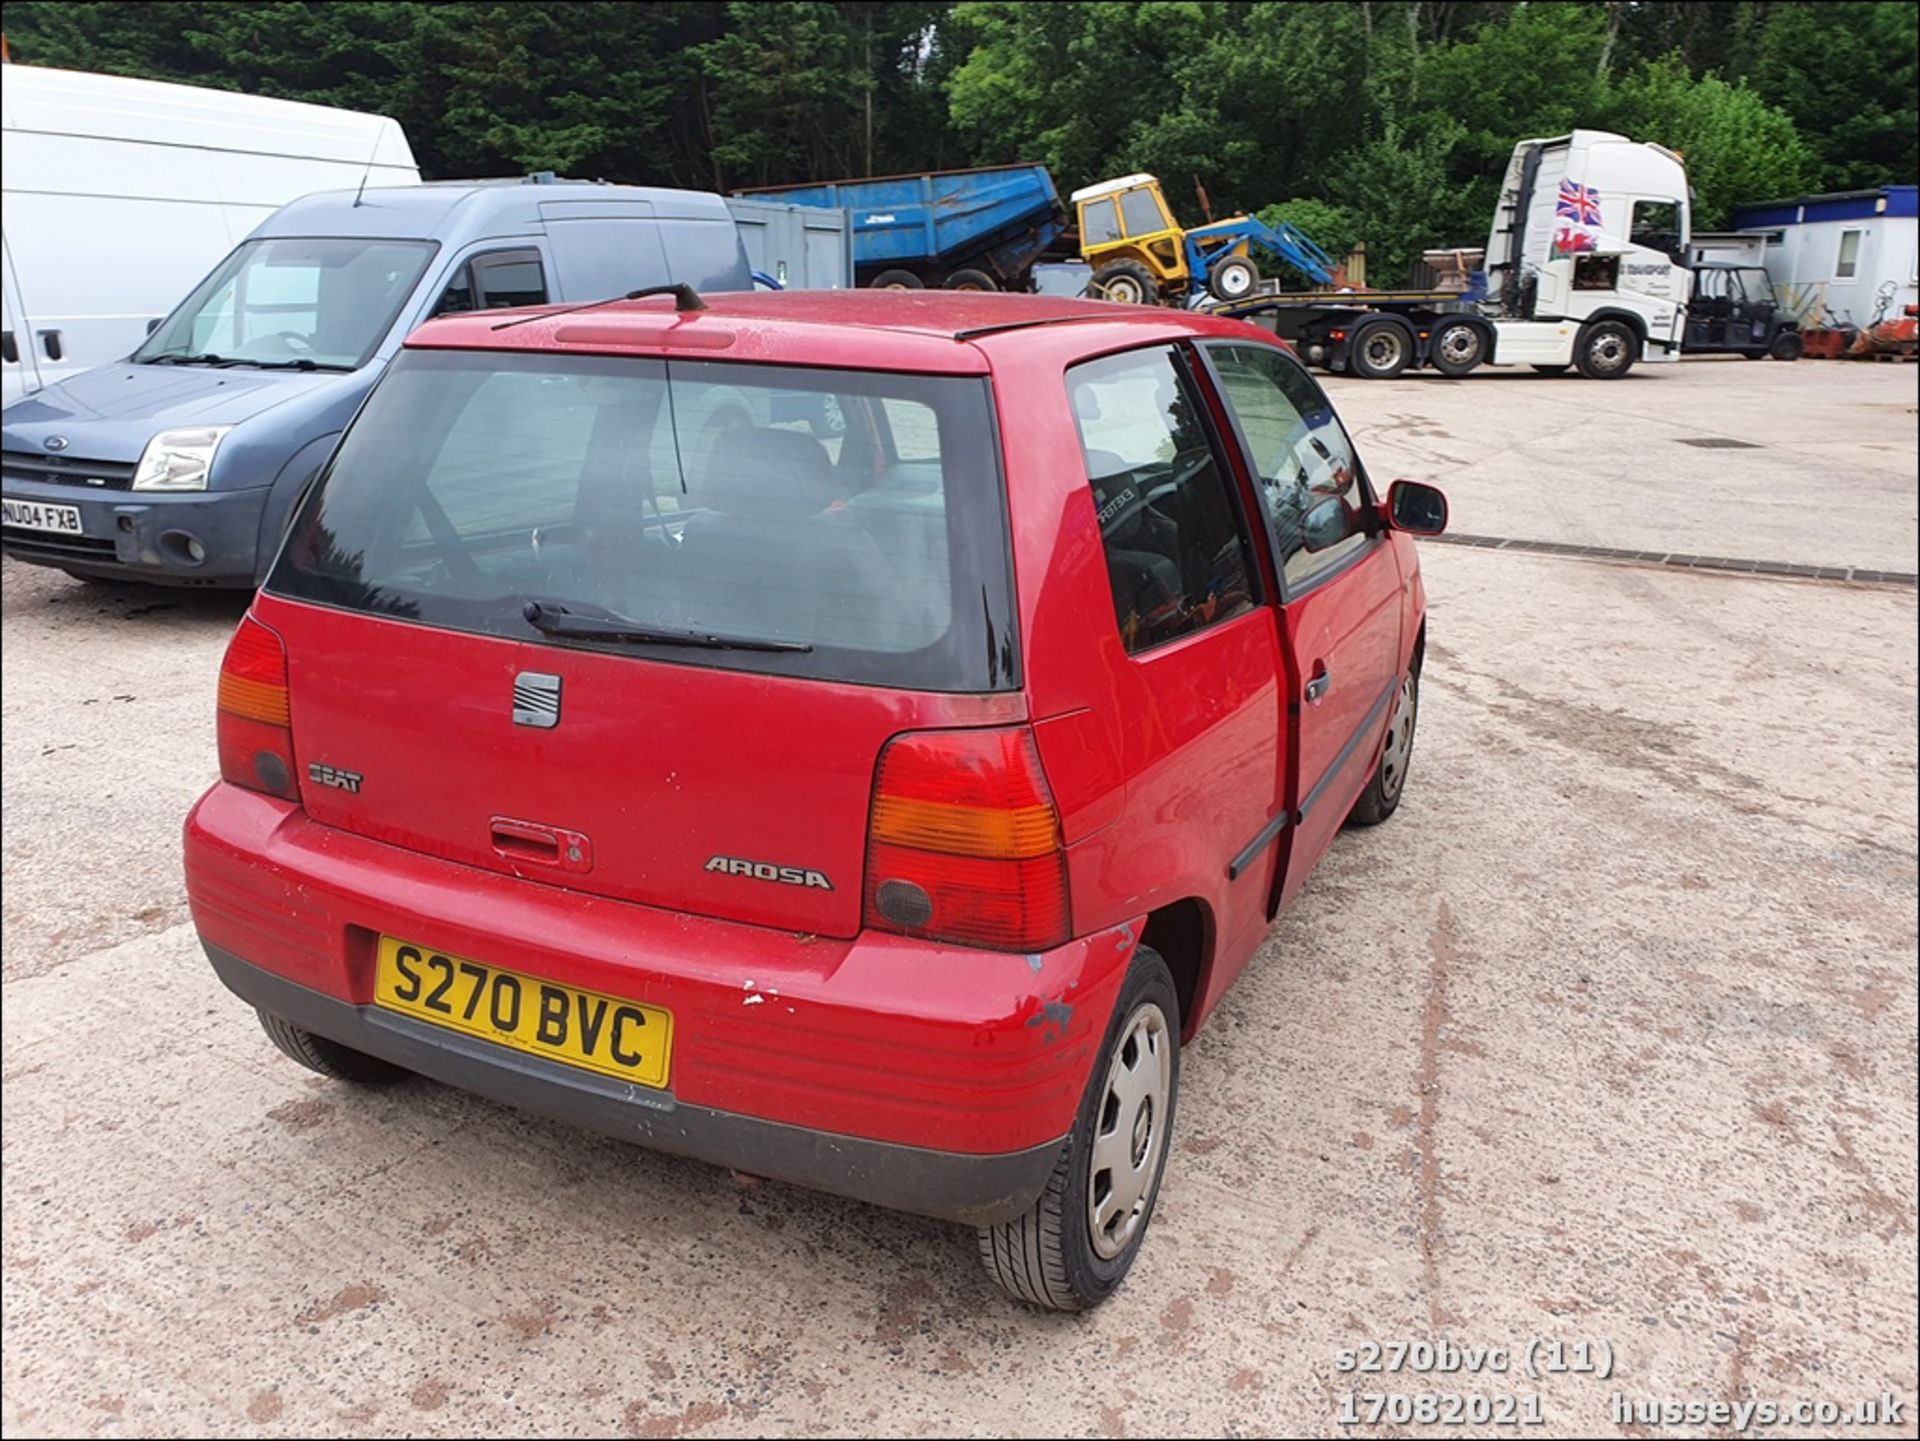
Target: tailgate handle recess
(541, 845)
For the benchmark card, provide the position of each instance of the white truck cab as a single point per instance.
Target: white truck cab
(1587, 256)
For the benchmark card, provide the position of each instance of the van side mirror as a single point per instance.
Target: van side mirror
(1415, 508)
(153, 324)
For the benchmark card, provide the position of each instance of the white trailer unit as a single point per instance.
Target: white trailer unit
(121, 194)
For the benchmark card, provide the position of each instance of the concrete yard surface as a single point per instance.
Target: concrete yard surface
(1607, 1037)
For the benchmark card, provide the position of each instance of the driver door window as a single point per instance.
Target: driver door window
(1098, 223)
(494, 281)
(1176, 552)
(1656, 225)
(1309, 480)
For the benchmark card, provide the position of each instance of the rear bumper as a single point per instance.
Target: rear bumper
(145, 535)
(931, 1078)
(976, 1190)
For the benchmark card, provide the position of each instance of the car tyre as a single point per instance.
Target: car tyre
(1787, 345)
(1457, 347)
(1379, 350)
(1074, 1247)
(1606, 349)
(1126, 282)
(897, 280)
(1388, 782)
(329, 1058)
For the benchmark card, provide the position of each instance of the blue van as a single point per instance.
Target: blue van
(181, 464)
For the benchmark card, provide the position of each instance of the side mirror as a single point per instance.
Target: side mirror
(153, 324)
(1415, 508)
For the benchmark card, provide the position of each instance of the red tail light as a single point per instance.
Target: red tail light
(963, 842)
(254, 722)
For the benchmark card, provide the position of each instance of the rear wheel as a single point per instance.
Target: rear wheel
(1606, 350)
(1234, 278)
(897, 280)
(1456, 347)
(1379, 350)
(1381, 798)
(1071, 1251)
(968, 279)
(329, 1058)
(1787, 345)
(1126, 281)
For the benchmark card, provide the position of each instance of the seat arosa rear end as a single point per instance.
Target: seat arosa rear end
(632, 729)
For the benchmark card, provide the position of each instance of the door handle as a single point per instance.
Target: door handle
(1317, 687)
(542, 845)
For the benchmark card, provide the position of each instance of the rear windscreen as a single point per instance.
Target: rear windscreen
(856, 514)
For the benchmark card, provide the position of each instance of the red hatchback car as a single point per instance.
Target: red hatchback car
(850, 737)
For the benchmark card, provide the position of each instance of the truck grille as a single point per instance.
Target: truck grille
(66, 470)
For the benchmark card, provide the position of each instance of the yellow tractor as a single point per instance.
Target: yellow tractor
(1140, 254)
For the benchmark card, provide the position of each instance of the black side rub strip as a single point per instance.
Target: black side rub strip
(1361, 732)
(1258, 844)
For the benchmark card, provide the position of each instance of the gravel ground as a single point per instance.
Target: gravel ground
(1609, 1036)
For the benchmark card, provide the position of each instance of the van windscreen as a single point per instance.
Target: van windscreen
(292, 304)
(846, 525)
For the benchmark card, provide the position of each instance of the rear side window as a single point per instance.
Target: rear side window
(858, 515)
(1176, 554)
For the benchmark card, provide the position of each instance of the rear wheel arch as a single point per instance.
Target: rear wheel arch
(1182, 932)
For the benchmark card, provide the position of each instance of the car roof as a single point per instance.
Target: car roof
(954, 332)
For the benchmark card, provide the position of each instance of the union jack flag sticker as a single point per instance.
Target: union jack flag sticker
(1578, 203)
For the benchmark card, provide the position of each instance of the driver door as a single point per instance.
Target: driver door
(1342, 594)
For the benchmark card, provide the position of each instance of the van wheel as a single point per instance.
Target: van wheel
(1787, 345)
(1457, 347)
(1606, 350)
(968, 279)
(1127, 282)
(1072, 1250)
(1379, 350)
(897, 280)
(1381, 798)
(329, 1058)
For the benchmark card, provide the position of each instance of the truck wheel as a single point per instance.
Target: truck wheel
(329, 1058)
(1379, 350)
(1457, 347)
(1787, 345)
(1074, 1247)
(1605, 350)
(1381, 798)
(1234, 278)
(968, 279)
(1550, 369)
(897, 280)
(1127, 282)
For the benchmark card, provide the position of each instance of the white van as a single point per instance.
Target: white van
(121, 194)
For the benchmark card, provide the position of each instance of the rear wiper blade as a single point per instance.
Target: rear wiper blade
(557, 620)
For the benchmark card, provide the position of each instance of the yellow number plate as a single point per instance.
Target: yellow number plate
(580, 1028)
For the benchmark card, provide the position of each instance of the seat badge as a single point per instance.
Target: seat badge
(536, 700)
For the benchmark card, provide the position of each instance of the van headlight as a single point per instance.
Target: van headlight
(179, 459)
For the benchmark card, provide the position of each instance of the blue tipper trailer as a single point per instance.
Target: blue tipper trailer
(962, 229)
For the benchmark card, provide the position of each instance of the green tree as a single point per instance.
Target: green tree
(1736, 146)
(1846, 73)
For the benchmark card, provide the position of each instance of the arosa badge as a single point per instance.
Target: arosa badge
(536, 700)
